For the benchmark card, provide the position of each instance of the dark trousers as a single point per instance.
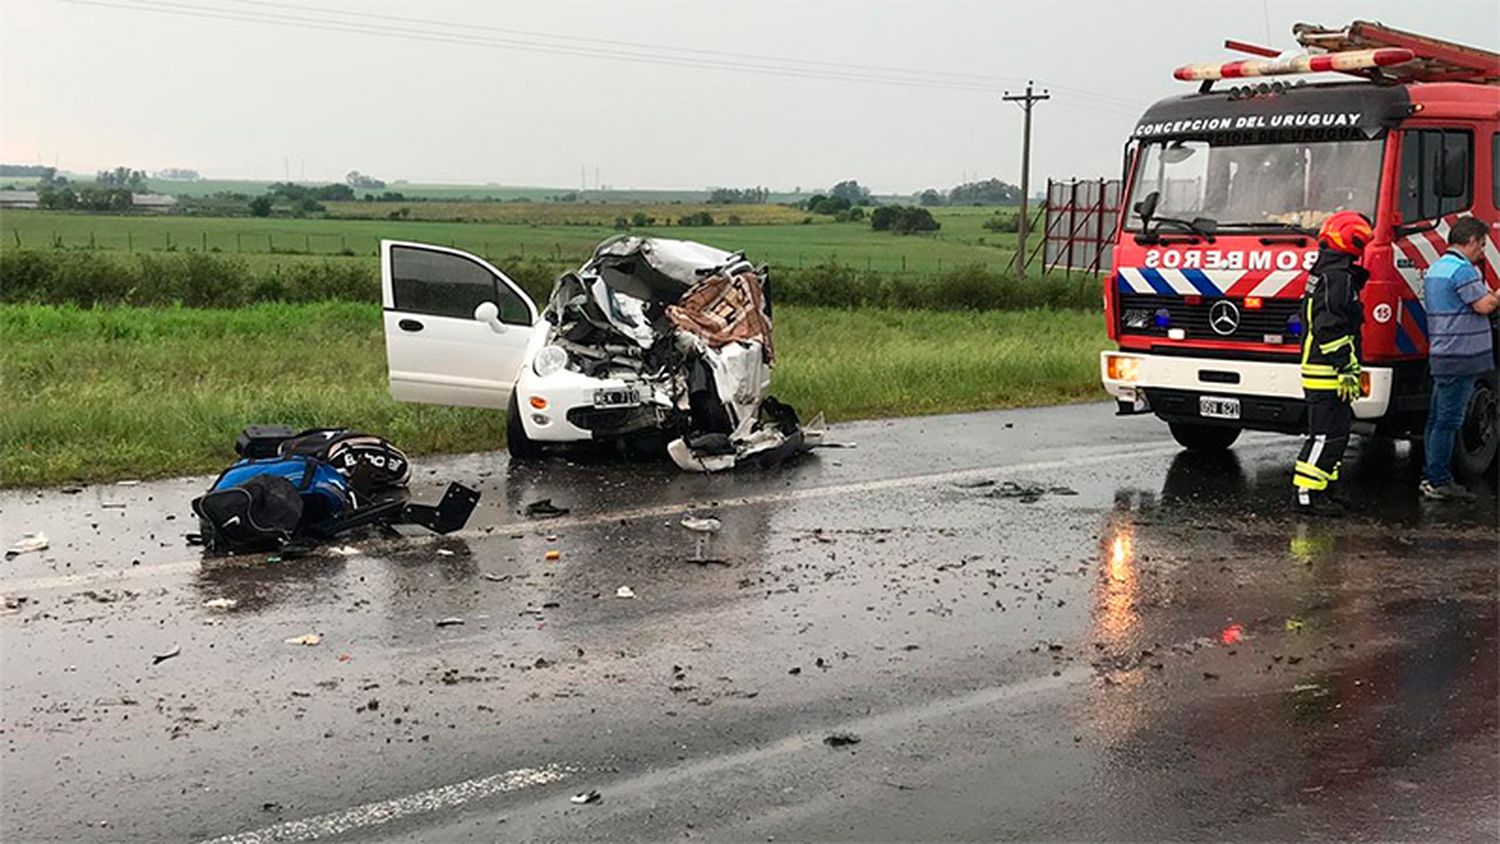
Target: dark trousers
(1328, 420)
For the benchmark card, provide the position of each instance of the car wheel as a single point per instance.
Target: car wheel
(1479, 437)
(520, 446)
(1203, 437)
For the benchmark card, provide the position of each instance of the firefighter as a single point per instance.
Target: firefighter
(1332, 315)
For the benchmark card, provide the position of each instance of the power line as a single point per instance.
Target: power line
(875, 75)
(659, 48)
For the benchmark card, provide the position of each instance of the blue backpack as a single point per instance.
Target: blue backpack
(262, 503)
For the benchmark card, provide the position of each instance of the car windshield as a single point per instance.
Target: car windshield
(1258, 185)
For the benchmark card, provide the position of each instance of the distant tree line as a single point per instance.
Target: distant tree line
(987, 192)
(179, 174)
(739, 196)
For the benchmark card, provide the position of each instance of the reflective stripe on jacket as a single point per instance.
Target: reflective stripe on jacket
(1332, 314)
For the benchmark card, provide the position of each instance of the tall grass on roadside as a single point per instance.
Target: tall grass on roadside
(103, 393)
(206, 280)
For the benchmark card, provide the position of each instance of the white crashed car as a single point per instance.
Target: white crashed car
(650, 337)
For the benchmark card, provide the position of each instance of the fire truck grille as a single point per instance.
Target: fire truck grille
(1276, 321)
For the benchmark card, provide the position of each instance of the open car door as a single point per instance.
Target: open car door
(456, 329)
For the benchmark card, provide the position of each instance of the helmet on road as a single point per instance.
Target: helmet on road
(1346, 231)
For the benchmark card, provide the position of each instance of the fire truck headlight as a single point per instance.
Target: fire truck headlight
(1122, 368)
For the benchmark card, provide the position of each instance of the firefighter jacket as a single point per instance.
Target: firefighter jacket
(1332, 316)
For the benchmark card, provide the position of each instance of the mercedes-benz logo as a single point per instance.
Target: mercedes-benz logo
(1224, 318)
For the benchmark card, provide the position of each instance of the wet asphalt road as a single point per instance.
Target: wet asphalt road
(1153, 648)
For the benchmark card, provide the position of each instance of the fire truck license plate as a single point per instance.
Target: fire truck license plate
(1215, 407)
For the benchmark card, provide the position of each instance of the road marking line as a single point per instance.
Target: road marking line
(40, 584)
(385, 811)
(456, 795)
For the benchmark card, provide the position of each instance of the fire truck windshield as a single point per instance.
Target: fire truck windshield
(1276, 185)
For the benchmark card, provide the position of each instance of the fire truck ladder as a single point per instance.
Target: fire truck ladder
(1364, 49)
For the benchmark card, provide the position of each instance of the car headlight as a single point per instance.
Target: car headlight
(550, 360)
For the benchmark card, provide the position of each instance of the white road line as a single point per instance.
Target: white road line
(457, 794)
(385, 811)
(1121, 453)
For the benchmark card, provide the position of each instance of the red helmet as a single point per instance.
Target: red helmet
(1346, 231)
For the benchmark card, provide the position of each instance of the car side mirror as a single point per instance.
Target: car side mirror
(489, 314)
(1146, 208)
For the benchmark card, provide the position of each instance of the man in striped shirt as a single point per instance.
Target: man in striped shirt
(1458, 327)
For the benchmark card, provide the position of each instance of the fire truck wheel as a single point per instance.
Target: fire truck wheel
(1477, 441)
(1203, 437)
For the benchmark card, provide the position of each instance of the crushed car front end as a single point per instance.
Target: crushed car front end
(656, 336)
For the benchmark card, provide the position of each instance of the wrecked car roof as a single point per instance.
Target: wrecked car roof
(654, 268)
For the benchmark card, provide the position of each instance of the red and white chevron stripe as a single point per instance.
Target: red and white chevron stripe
(1422, 249)
(1219, 283)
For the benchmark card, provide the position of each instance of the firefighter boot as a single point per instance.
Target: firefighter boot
(1317, 504)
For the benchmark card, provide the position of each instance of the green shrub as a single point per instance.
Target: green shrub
(205, 280)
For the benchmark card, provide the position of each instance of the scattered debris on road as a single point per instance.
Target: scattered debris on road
(27, 543)
(704, 524)
(553, 555)
(309, 640)
(841, 739)
(1293, 624)
(544, 509)
(586, 797)
(493, 577)
(1027, 493)
(221, 603)
(451, 621)
(624, 592)
(157, 659)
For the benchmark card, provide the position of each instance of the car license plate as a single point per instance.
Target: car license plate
(620, 397)
(1215, 407)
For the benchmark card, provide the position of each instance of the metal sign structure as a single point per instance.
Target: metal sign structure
(1079, 228)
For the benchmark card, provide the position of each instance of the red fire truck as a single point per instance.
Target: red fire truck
(1227, 187)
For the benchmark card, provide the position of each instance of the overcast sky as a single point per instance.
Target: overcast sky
(92, 86)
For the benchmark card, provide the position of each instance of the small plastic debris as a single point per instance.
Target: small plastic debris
(344, 551)
(451, 621)
(345, 657)
(27, 543)
(130, 482)
(221, 603)
(157, 659)
(446, 552)
(1232, 634)
(71, 490)
(705, 524)
(309, 640)
(841, 739)
(1293, 624)
(554, 554)
(586, 798)
(544, 509)
(496, 578)
(624, 592)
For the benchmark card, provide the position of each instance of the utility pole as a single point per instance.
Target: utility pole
(1027, 101)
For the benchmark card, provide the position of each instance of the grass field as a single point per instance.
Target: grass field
(98, 394)
(596, 214)
(961, 241)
